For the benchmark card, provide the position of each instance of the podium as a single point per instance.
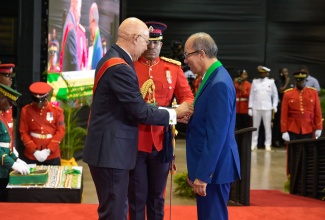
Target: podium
(59, 188)
(306, 162)
(240, 190)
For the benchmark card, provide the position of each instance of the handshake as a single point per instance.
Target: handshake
(184, 111)
(41, 155)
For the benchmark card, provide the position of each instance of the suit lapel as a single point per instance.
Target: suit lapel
(212, 76)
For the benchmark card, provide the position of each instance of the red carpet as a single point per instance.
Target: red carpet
(265, 204)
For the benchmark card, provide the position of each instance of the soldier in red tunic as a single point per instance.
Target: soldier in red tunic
(301, 115)
(6, 74)
(42, 127)
(243, 87)
(165, 79)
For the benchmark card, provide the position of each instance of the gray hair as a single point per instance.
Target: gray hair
(203, 41)
(94, 12)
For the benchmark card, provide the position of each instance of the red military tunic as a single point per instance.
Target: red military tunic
(242, 97)
(169, 79)
(301, 112)
(7, 115)
(43, 122)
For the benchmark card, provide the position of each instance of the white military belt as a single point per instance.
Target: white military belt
(4, 144)
(41, 136)
(241, 99)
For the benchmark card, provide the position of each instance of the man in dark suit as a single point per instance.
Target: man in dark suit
(211, 149)
(69, 51)
(117, 109)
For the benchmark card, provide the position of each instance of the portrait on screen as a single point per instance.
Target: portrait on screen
(80, 32)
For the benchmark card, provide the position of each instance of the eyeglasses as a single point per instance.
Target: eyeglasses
(186, 55)
(147, 41)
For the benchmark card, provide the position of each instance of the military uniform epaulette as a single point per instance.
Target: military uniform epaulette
(178, 63)
(311, 88)
(57, 108)
(288, 89)
(82, 28)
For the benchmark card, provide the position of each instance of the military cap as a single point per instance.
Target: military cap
(53, 47)
(12, 94)
(300, 75)
(7, 68)
(155, 30)
(40, 89)
(263, 69)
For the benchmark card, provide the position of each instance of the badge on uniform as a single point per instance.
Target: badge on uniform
(168, 76)
(49, 116)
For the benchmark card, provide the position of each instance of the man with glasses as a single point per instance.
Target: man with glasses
(116, 111)
(211, 150)
(6, 74)
(165, 79)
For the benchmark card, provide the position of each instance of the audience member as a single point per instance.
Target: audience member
(148, 179)
(42, 127)
(263, 99)
(310, 81)
(117, 109)
(9, 160)
(211, 149)
(243, 87)
(301, 115)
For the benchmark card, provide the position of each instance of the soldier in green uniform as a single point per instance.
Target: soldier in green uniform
(8, 97)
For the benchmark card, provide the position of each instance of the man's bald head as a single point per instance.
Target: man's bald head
(129, 36)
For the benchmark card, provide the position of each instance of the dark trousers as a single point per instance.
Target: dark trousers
(243, 121)
(213, 206)
(146, 187)
(3, 190)
(53, 162)
(111, 187)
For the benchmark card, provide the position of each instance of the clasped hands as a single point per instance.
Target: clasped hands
(184, 112)
(41, 155)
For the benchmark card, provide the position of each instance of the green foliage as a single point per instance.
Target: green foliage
(182, 188)
(322, 100)
(75, 135)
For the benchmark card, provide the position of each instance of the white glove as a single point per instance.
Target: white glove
(46, 152)
(318, 133)
(15, 152)
(285, 136)
(21, 168)
(21, 161)
(250, 112)
(40, 156)
(275, 110)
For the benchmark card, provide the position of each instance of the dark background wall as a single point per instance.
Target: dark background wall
(275, 33)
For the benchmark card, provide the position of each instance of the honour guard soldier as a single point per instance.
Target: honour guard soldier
(6, 74)
(42, 127)
(9, 160)
(164, 78)
(301, 115)
(263, 98)
(243, 87)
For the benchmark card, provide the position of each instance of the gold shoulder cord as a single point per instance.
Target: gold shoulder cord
(148, 87)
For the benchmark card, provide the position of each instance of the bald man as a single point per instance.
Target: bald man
(117, 110)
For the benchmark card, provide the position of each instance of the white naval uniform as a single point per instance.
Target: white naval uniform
(263, 98)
